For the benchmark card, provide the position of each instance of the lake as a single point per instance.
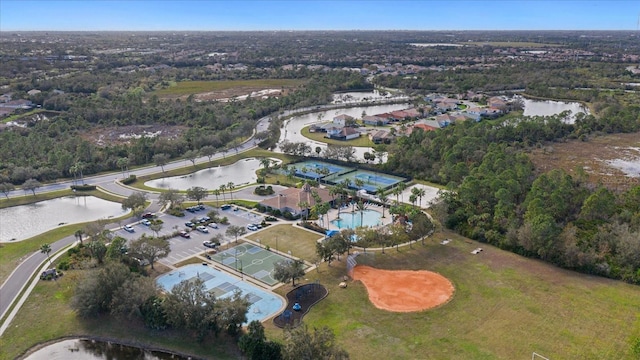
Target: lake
(25, 221)
(294, 125)
(83, 349)
(552, 107)
(240, 173)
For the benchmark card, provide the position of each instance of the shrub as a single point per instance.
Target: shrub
(130, 180)
(175, 212)
(84, 187)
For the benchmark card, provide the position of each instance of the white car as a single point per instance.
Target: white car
(252, 227)
(202, 229)
(213, 225)
(128, 228)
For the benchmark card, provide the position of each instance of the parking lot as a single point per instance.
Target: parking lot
(182, 248)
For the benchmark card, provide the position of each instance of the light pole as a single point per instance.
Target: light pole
(259, 244)
(241, 273)
(276, 243)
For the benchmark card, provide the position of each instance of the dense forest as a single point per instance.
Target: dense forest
(498, 198)
(55, 146)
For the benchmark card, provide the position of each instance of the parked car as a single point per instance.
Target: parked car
(213, 225)
(225, 207)
(128, 228)
(146, 222)
(147, 215)
(200, 207)
(185, 234)
(189, 224)
(210, 244)
(252, 227)
(202, 229)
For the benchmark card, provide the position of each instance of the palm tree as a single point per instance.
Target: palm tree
(304, 206)
(122, 164)
(78, 235)
(382, 195)
(231, 186)
(223, 187)
(216, 193)
(421, 192)
(396, 191)
(361, 206)
(46, 249)
(265, 163)
(73, 169)
(402, 186)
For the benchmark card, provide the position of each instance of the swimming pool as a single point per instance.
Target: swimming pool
(352, 220)
(264, 304)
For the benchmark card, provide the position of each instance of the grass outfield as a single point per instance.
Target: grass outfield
(504, 307)
(301, 242)
(196, 87)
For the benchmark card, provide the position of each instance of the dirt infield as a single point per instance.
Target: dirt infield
(404, 290)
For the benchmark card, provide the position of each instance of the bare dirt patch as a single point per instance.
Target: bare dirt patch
(404, 290)
(124, 134)
(610, 159)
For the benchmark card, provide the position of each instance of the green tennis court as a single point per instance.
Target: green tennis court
(251, 260)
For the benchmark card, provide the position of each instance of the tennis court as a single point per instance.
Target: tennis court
(371, 180)
(316, 170)
(263, 303)
(254, 261)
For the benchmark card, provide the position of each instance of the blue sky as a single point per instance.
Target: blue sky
(318, 15)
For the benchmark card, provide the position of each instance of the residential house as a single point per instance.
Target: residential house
(423, 127)
(33, 92)
(342, 120)
(5, 98)
(374, 120)
(346, 133)
(291, 199)
(445, 120)
(496, 102)
(381, 137)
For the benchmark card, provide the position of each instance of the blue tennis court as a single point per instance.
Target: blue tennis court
(371, 181)
(263, 304)
(316, 170)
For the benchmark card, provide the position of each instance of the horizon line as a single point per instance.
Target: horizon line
(308, 30)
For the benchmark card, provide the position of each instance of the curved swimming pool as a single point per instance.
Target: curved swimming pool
(352, 220)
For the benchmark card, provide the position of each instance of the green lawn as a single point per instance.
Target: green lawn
(504, 307)
(301, 242)
(362, 141)
(196, 87)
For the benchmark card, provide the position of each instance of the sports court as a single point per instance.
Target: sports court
(254, 261)
(317, 169)
(263, 304)
(371, 180)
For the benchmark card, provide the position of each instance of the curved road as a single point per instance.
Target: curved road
(19, 278)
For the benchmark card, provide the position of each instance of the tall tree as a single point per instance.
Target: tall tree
(135, 202)
(6, 188)
(150, 248)
(301, 343)
(230, 187)
(31, 185)
(286, 270)
(161, 160)
(192, 156)
(196, 193)
(208, 151)
(191, 307)
(171, 196)
(46, 249)
(235, 231)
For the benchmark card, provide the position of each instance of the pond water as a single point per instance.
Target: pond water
(25, 221)
(83, 349)
(360, 96)
(551, 107)
(240, 173)
(294, 125)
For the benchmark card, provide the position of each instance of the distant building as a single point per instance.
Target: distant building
(17, 104)
(342, 120)
(374, 120)
(291, 199)
(345, 133)
(33, 92)
(381, 137)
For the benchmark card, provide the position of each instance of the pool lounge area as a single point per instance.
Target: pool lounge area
(264, 304)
